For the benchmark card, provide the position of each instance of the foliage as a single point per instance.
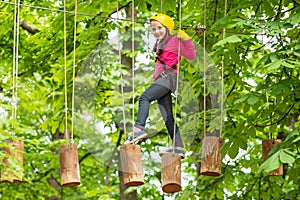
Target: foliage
(257, 59)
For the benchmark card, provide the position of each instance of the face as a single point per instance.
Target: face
(158, 30)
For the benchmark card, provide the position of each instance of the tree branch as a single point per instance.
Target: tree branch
(28, 27)
(278, 121)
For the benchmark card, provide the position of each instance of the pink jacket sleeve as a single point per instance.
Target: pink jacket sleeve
(187, 48)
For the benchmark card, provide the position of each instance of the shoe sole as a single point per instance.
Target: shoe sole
(137, 140)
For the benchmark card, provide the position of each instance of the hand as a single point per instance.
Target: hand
(182, 35)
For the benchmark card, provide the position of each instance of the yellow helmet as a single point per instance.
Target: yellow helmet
(164, 20)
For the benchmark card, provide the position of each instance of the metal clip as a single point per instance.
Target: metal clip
(163, 74)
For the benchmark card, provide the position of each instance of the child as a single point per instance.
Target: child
(165, 76)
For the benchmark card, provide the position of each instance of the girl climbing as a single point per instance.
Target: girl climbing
(169, 48)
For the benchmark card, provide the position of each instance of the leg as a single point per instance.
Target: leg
(154, 92)
(165, 106)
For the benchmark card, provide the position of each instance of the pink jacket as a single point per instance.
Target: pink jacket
(169, 54)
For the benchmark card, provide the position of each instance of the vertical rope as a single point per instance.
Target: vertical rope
(222, 77)
(271, 134)
(265, 71)
(204, 70)
(66, 135)
(177, 81)
(14, 66)
(15, 61)
(132, 60)
(74, 67)
(121, 74)
(17, 58)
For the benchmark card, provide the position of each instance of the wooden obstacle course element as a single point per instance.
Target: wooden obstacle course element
(211, 157)
(171, 172)
(11, 174)
(131, 165)
(267, 146)
(69, 165)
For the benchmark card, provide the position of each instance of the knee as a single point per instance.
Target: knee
(144, 97)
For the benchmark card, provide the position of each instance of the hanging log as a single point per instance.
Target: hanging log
(12, 172)
(171, 172)
(131, 165)
(69, 165)
(211, 161)
(267, 145)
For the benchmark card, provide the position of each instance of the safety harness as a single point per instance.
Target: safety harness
(167, 71)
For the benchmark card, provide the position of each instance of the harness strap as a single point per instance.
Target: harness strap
(164, 65)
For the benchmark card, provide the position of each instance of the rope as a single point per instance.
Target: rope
(265, 72)
(14, 66)
(177, 80)
(121, 75)
(204, 69)
(15, 61)
(74, 67)
(132, 60)
(222, 77)
(65, 73)
(271, 134)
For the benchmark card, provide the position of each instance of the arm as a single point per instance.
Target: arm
(184, 42)
(187, 49)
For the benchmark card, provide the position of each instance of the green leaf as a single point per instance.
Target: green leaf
(191, 69)
(295, 18)
(263, 60)
(273, 128)
(233, 150)
(251, 132)
(285, 157)
(288, 65)
(296, 140)
(240, 100)
(296, 53)
(242, 144)
(230, 39)
(265, 196)
(252, 99)
(274, 65)
(293, 133)
(271, 163)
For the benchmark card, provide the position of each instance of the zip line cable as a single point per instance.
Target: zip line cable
(121, 19)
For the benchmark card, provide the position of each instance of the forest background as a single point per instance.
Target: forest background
(249, 79)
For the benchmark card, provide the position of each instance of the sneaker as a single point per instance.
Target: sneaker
(137, 136)
(177, 150)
